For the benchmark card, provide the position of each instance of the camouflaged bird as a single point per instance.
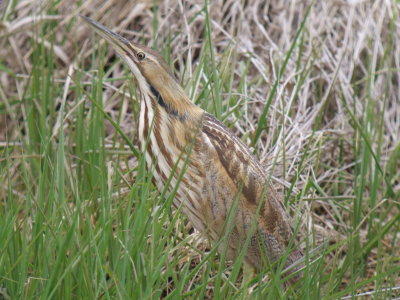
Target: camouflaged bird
(220, 171)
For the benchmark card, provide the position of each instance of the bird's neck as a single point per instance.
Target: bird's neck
(173, 118)
(171, 96)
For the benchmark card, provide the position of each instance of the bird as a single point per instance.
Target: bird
(214, 175)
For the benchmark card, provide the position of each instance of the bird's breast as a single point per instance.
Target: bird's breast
(173, 161)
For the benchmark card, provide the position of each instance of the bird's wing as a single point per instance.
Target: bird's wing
(248, 176)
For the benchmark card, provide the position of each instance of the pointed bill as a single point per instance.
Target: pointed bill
(121, 44)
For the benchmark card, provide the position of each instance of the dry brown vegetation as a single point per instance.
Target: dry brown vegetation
(332, 129)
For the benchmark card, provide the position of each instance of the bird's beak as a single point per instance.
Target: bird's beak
(121, 44)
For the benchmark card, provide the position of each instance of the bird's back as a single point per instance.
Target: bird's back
(234, 178)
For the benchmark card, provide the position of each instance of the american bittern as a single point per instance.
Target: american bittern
(220, 167)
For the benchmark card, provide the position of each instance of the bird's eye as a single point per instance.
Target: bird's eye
(141, 55)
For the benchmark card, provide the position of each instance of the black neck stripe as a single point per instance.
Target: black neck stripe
(156, 94)
(162, 103)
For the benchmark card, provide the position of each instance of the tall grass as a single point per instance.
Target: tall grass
(80, 217)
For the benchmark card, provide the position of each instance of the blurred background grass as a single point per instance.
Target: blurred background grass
(313, 87)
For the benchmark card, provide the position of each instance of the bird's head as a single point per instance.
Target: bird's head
(152, 74)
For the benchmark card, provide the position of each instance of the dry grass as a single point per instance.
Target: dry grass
(325, 75)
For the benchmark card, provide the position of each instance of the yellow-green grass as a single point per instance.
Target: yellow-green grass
(313, 88)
